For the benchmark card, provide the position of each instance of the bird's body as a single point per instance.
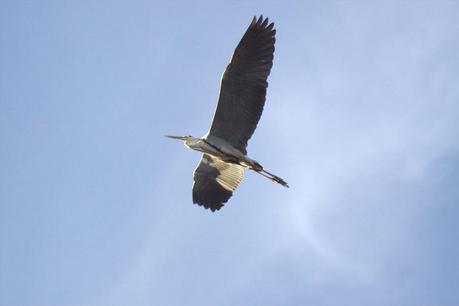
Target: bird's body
(220, 149)
(241, 101)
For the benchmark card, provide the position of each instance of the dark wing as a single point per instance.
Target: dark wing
(243, 85)
(215, 181)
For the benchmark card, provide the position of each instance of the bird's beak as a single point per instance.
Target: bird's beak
(176, 137)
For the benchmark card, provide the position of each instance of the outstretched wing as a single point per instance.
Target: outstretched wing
(215, 181)
(243, 85)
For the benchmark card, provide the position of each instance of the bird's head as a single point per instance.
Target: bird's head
(187, 140)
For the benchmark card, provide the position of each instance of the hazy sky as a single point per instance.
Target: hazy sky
(361, 119)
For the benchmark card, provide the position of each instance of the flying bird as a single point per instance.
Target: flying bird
(239, 108)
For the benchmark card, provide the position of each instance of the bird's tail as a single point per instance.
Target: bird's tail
(272, 177)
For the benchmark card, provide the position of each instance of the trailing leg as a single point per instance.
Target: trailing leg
(272, 177)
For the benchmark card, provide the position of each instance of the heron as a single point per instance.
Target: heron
(240, 104)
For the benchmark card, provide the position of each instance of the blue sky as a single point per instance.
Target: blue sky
(361, 119)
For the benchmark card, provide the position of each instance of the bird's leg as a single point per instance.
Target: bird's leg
(276, 179)
(257, 167)
(272, 177)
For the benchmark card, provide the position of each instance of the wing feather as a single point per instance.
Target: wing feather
(243, 85)
(215, 181)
